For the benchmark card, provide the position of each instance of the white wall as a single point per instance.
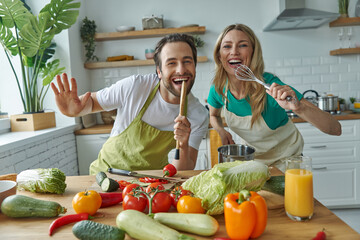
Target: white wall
(300, 57)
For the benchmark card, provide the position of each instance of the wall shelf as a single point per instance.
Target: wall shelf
(343, 22)
(343, 51)
(132, 63)
(149, 33)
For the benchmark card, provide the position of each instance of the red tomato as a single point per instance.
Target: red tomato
(169, 170)
(135, 203)
(161, 202)
(153, 186)
(177, 193)
(129, 188)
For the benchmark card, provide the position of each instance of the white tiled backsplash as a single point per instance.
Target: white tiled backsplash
(338, 75)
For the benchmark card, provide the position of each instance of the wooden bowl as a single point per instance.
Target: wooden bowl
(7, 188)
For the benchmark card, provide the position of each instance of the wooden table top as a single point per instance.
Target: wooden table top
(279, 225)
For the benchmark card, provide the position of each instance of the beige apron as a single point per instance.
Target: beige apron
(270, 145)
(139, 147)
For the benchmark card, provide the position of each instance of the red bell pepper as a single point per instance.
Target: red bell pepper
(110, 199)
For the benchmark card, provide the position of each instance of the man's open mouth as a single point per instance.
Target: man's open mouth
(178, 81)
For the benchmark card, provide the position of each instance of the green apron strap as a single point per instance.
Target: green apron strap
(148, 101)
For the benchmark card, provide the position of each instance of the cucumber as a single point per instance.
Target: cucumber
(100, 176)
(89, 230)
(19, 206)
(109, 185)
(275, 184)
(138, 225)
(197, 223)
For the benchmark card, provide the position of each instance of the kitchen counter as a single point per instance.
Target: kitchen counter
(103, 129)
(279, 225)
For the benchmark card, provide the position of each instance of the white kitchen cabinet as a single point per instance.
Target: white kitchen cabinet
(88, 147)
(203, 160)
(336, 163)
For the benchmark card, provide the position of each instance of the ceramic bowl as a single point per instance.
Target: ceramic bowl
(124, 28)
(7, 188)
(149, 53)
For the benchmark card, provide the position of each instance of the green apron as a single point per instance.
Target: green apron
(139, 147)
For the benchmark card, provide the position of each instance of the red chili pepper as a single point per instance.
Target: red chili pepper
(320, 235)
(169, 170)
(110, 199)
(61, 221)
(123, 184)
(152, 180)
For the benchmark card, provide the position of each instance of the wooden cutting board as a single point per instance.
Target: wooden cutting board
(273, 201)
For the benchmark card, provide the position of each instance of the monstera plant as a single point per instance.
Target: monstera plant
(29, 37)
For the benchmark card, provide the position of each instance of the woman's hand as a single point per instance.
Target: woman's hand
(280, 93)
(226, 137)
(67, 100)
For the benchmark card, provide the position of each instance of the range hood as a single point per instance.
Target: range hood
(294, 15)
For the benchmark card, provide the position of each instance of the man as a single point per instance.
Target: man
(147, 107)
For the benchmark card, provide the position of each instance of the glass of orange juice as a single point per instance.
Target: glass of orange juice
(299, 199)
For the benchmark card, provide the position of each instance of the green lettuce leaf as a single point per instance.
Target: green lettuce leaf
(212, 186)
(42, 180)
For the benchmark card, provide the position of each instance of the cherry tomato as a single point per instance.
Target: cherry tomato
(161, 202)
(189, 204)
(135, 203)
(153, 186)
(177, 193)
(87, 202)
(169, 170)
(129, 188)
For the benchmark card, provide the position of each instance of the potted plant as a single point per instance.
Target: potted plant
(343, 8)
(87, 33)
(29, 37)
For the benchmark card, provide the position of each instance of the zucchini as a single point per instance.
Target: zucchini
(100, 176)
(197, 223)
(276, 184)
(138, 225)
(109, 185)
(19, 206)
(90, 230)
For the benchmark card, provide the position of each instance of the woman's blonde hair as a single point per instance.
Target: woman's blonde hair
(255, 93)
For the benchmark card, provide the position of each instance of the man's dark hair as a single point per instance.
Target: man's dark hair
(176, 37)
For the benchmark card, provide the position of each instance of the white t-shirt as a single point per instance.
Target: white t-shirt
(129, 95)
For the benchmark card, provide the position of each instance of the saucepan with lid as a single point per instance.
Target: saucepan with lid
(325, 102)
(235, 152)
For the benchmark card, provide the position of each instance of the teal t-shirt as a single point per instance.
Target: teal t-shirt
(274, 115)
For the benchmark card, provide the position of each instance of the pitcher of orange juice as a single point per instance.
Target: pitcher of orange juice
(299, 199)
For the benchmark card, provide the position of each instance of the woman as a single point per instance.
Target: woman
(258, 115)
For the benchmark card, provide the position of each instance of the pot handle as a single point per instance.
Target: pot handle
(316, 93)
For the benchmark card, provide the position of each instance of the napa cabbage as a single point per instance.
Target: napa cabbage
(212, 186)
(42, 180)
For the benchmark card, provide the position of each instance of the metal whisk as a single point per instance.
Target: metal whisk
(244, 73)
